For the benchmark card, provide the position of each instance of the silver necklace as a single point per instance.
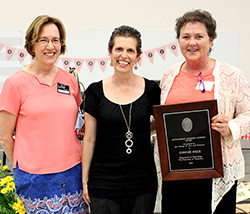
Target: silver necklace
(128, 143)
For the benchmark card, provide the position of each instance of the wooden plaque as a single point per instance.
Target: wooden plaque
(188, 147)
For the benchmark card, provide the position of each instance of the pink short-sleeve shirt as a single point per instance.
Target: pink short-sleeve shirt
(45, 141)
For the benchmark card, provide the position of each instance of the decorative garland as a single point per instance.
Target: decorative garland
(91, 62)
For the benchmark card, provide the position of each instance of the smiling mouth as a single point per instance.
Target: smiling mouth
(123, 63)
(49, 54)
(192, 50)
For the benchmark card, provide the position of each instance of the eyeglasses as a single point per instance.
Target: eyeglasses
(201, 83)
(45, 41)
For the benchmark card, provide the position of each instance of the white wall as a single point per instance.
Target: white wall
(231, 16)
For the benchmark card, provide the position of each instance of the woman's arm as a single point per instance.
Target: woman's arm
(88, 151)
(7, 126)
(233, 121)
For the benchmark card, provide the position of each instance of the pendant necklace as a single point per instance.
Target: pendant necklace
(128, 143)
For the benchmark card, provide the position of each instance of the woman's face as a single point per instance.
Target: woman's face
(124, 53)
(194, 41)
(47, 53)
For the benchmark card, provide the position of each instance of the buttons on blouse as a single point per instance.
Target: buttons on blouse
(63, 185)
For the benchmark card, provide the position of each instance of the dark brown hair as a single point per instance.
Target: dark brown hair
(197, 16)
(126, 31)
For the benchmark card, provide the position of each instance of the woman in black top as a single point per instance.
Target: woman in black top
(119, 174)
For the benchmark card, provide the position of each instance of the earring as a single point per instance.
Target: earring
(111, 64)
(136, 67)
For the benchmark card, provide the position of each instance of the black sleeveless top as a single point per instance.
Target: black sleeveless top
(113, 172)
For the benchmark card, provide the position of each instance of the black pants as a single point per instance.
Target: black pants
(141, 204)
(194, 196)
(228, 203)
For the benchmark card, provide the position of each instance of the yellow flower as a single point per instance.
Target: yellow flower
(2, 182)
(11, 186)
(22, 210)
(18, 207)
(4, 190)
(19, 202)
(5, 167)
(6, 180)
(14, 206)
(9, 178)
(7, 186)
(0, 162)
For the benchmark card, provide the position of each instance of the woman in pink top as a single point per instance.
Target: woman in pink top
(40, 103)
(203, 78)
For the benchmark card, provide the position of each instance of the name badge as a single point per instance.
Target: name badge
(63, 89)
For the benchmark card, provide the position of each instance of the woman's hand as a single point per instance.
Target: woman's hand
(220, 124)
(85, 193)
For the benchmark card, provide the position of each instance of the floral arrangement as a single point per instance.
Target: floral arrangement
(9, 202)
